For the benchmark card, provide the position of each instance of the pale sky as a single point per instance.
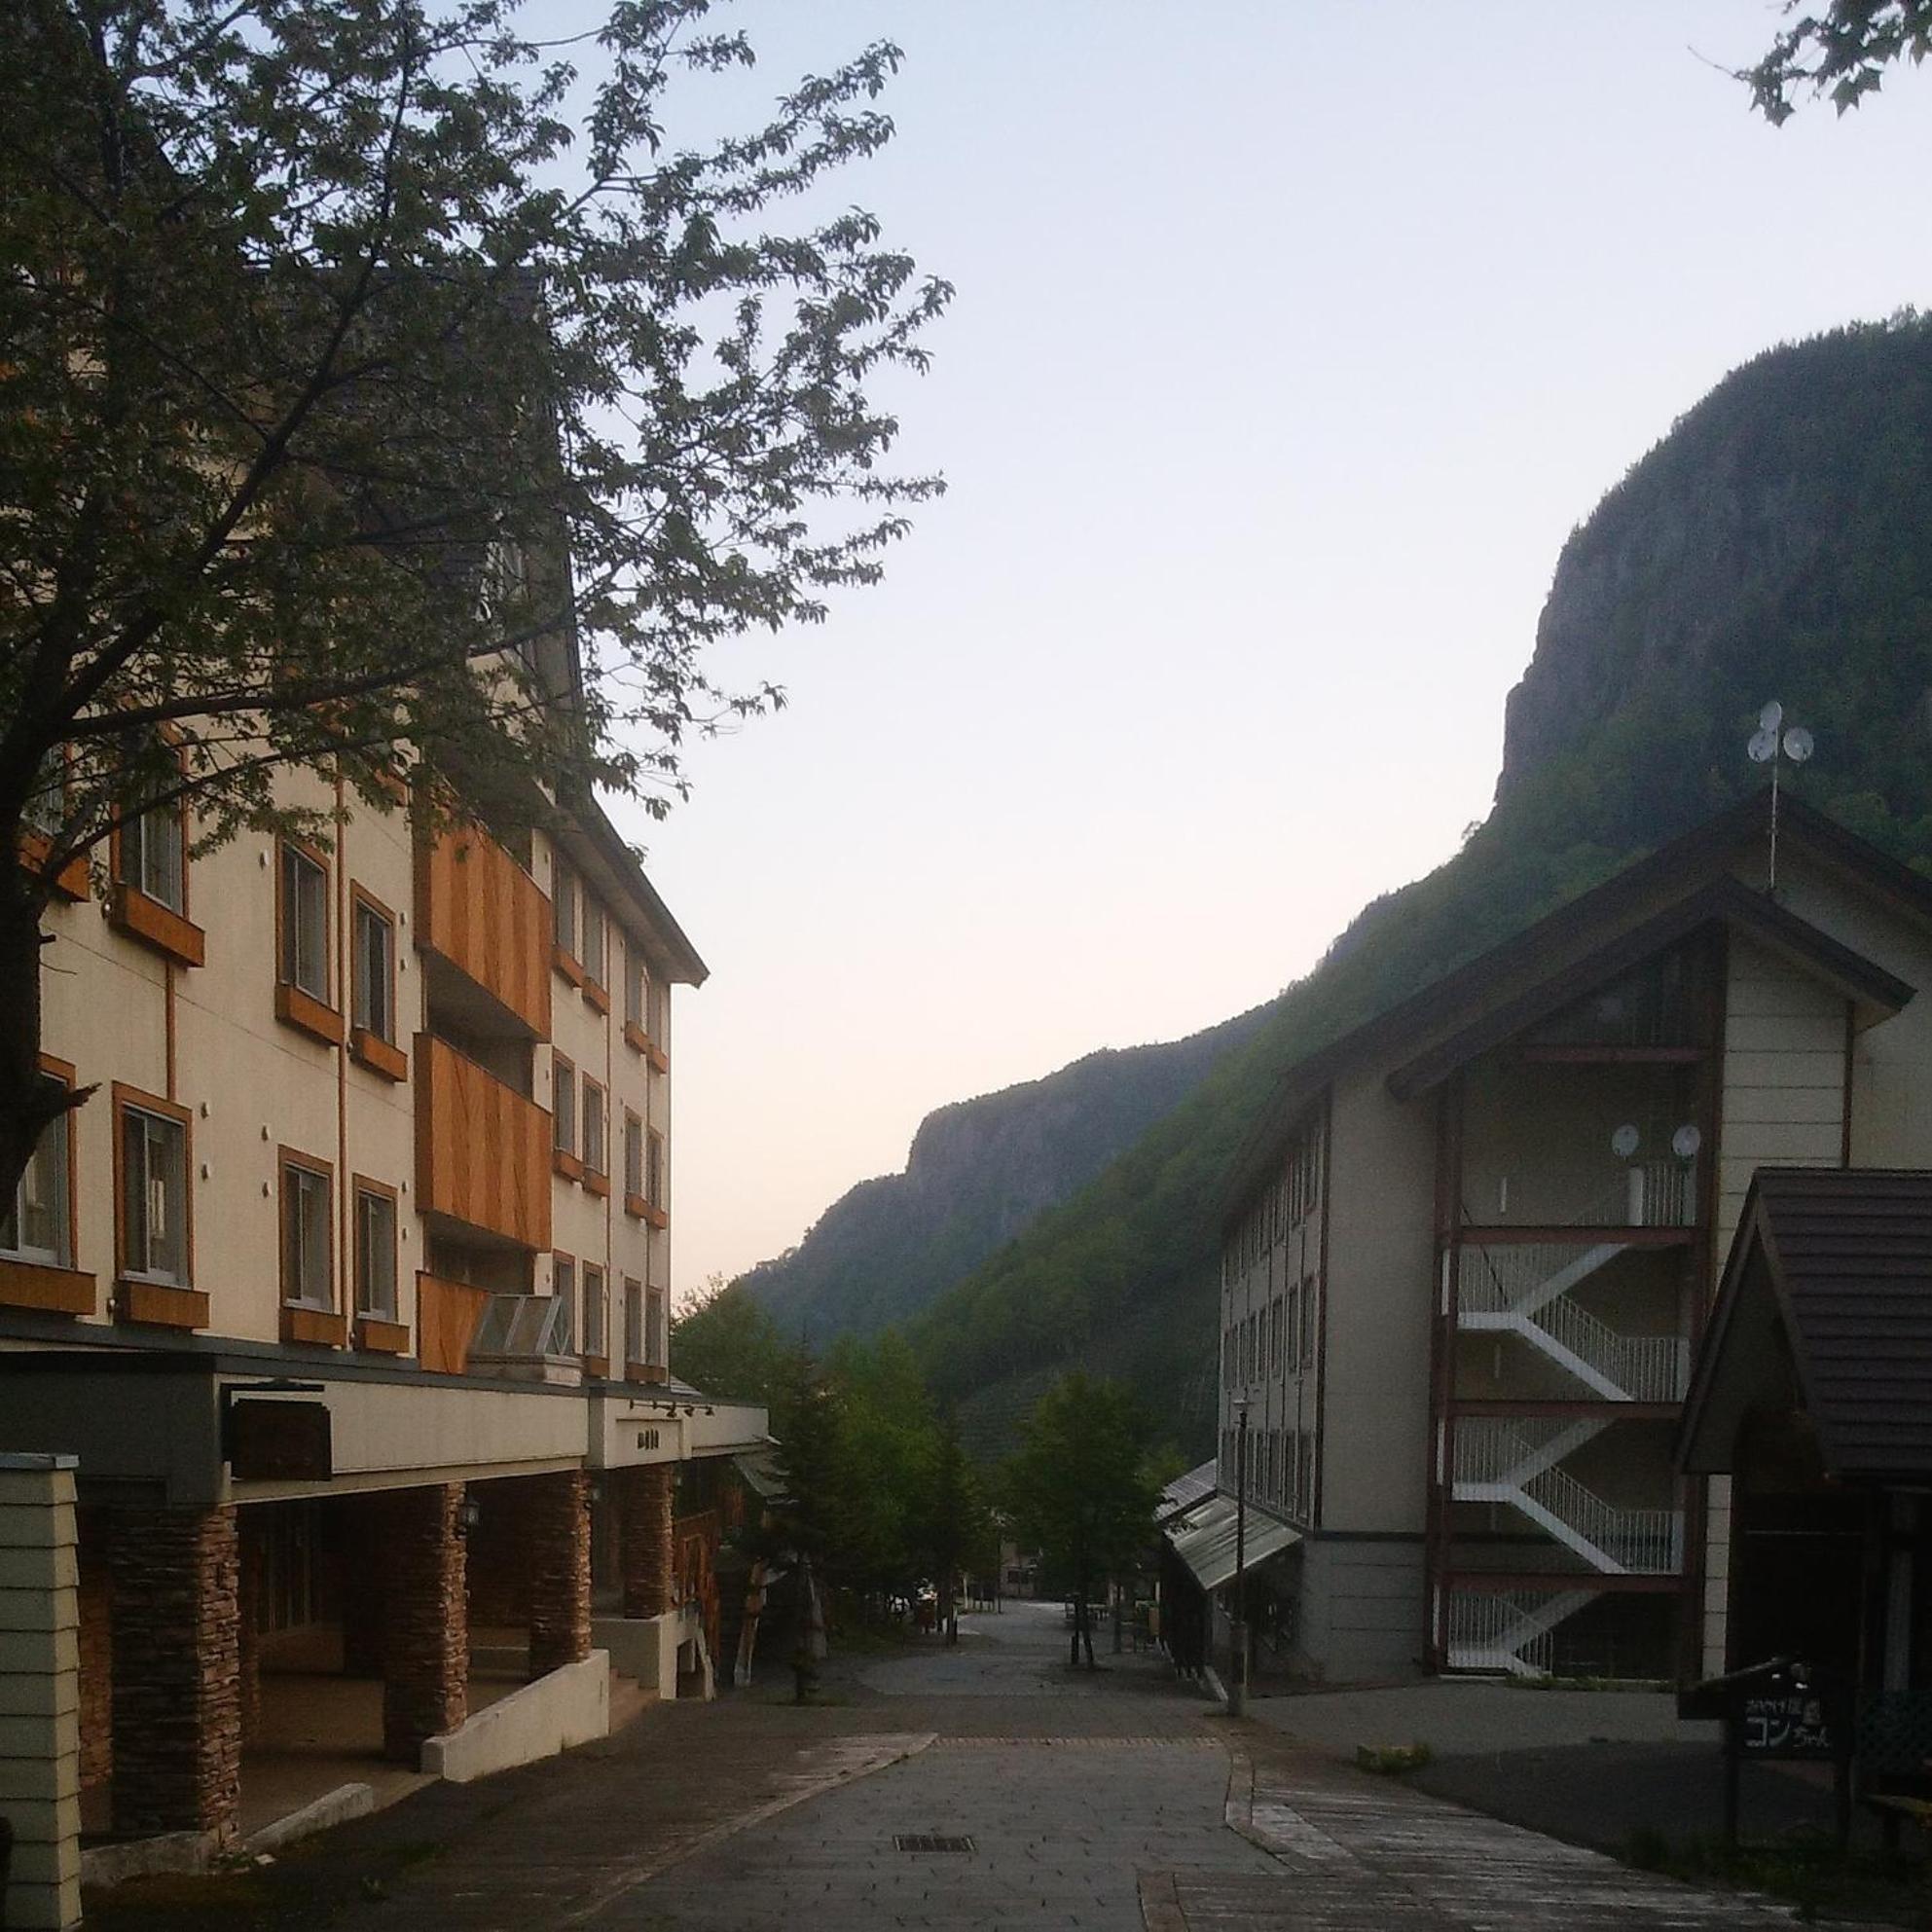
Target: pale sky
(1291, 342)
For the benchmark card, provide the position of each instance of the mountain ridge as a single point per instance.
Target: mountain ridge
(977, 1172)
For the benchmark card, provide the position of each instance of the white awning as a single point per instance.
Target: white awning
(1204, 1540)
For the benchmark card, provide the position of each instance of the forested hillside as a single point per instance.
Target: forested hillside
(1777, 542)
(977, 1173)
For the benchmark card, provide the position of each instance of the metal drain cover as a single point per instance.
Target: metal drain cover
(928, 1842)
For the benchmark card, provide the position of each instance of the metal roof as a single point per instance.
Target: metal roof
(1827, 1296)
(1204, 1540)
(1184, 1491)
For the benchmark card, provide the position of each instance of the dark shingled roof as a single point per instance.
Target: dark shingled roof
(1847, 1256)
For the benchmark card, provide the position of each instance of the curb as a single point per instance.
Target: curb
(333, 1807)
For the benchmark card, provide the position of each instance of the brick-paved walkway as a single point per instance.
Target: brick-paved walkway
(1099, 1801)
(1358, 1852)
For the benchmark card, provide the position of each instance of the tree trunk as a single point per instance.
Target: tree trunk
(28, 1099)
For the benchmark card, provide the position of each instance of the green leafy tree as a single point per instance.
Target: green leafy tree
(1840, 55)
(373, 384)
(722, 1341)
(953, 1522)
(1081, 1489)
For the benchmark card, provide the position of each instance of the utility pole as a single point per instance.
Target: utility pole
(1237, 1689)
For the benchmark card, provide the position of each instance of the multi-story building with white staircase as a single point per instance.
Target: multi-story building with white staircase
(1467, 1258)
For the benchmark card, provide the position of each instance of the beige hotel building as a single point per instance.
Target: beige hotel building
(348, 1288)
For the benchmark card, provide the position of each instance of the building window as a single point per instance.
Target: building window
(564, 1286)
(636, 987)
(306, 1274)
(634, 1157)
(595, 1335)
(154, 856)
(154, 1197)
(563, 1104)
(373, 992)
(39, 1226)
(564, 907)
(654, 1168)
(657, 1329)
(634, 1320)
(1308, 1323)
(303, 920)
(596, 1159)
(374, 1251)
(593, 941)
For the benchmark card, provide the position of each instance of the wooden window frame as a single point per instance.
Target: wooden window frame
(634, 1204)
(71, 882)
(295, 1005)
(383, 1334)
(138, 1298)
(659, 1299)
(633, 1362)
(595, 985)
(564, 1158)
(564, 892)
(597, 1361)
(320, 1324)
(559, 1258)
(154, 921)
(47, 1286)
(596, 1179)
(655, 1180)
(380, 1052)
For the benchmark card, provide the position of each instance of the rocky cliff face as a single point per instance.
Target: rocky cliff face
(978, 1173)
(1747, 556)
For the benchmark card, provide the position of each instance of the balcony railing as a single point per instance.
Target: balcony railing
(477, 908)
(482, 1149)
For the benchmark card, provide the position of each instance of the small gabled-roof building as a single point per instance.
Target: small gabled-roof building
(1468, 1255)
(1813, 1396)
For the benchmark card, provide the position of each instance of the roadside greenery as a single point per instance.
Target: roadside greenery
(881, 1500)
(1081, 1490)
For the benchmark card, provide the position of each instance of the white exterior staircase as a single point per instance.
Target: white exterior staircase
(1518, 1464)
(1508, 1632)
(1522, 1289)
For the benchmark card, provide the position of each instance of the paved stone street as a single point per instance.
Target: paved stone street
(1118, 1800)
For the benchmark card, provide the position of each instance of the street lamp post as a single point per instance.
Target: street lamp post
(1237, 1689)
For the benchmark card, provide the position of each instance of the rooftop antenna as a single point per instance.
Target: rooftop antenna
(1771, 745)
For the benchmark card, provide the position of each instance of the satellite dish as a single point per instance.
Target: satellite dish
(1685, 1142)
(1623, 1143)
(1772, 716)
(1798, 745)
(1762, 746)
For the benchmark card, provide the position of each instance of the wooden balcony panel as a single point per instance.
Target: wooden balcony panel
(482, 1149)
(477, 908)
(47, 1289)
(447, 1313)
(163, 1304)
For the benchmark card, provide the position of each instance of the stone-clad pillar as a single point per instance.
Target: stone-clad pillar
(176, 1699)
(643, 1501)
(40, 1743)
(425, 1657)
(558, 1527)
